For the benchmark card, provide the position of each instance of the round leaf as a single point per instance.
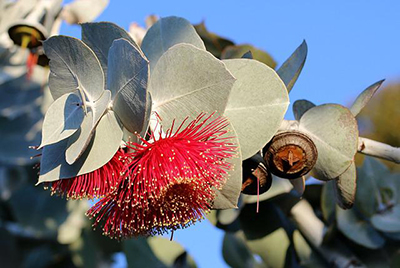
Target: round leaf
(166, 33)
(73, 65)
(78, 142)
(334, 131)
(63, 118)
(358, 230)
(188, 81)
(256, 105)
(228, 196)
(102, 148)
(235, 252)
(99, 36)
(128, 73)
(388, 221)
(345, 187)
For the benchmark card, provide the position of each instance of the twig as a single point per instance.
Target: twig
(378, 149)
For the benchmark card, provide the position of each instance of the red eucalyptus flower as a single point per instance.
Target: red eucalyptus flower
(95, 184)
(170, 182)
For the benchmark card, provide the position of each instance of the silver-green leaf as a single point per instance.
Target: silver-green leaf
(128, 74)
(63, 119)
(78, 142)
(256, 105)
(228, 196)
(358, 230)
(105, 143)
(364, 97)
(166, 33)
(300, 107)
(334, 131)
(345, 187)
(73, 65)
(291, 68)
(188, 81)
(99, 36)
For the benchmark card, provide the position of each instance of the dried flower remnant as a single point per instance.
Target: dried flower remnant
(171, 180)
(94, 184)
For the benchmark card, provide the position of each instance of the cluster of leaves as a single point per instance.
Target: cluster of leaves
(282, 229)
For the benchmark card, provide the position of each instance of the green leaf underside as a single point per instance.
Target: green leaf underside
(78, 142)
(166, 33)
(105, 143)
(300, 107)
(188, 81)
(235, 52)
(235, 252)
(99, 37)
(328, 204)
(128, 74)
(334, 131)
(345, 187)
(63, 118)
(358, 230)
(256, 105)
(73, 65)
(291, 68)
(228, 196)
(364, 98)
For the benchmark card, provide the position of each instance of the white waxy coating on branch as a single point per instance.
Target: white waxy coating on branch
(378, 149)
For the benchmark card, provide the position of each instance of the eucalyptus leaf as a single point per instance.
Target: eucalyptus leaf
(300, 107)
(328, 204)
(235, 252)
(364, 97)
(358, 230)
(139, 254)
(127, 79)
(228, 196)
(387, 221)
(79, 141)
(104, 145)
(99, 36)
(368, 198)
(227, 216)
(63, 118)
(291, 68)
(345, 187)
(73, 65)
(235, 52)
(19, 96)
(18, 135)
(334, 131)
(166, 33)
(36, 210)
(272, 248)
(188, 81)
(256, 105)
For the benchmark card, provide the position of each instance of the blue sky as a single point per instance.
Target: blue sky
(352, 44)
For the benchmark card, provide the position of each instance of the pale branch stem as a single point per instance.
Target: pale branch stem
(308, 223)
(378, 149)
